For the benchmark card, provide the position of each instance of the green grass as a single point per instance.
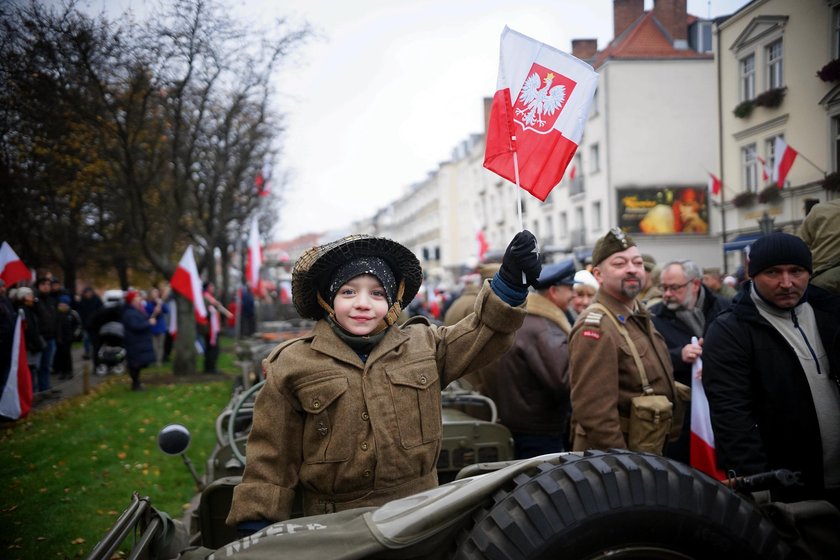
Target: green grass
(68, 471)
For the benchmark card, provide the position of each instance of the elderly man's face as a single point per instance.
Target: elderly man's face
(782, 285)
(677, 291)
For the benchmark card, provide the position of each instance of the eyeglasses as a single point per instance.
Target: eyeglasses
(673, 287)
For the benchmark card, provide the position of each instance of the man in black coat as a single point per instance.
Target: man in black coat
(686, 309)
(772, 373)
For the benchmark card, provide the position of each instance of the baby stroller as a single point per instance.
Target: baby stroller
(111, 355)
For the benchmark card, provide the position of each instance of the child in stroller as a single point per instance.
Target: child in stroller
(110, 356)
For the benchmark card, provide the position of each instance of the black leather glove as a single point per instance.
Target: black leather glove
(521, 256)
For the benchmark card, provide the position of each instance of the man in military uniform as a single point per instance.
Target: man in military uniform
(604, 376)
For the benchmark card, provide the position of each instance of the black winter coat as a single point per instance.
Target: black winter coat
(138, 338)
(762, 411)
(677, 334)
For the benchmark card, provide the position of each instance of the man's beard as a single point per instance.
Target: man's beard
(631, 290)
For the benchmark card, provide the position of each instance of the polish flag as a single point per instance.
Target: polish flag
(572, 172)
(702, 443)
(539, 111)
(714, 184)
(262, 179)
(186, 282)
(783, 156)
(255, 258)
(483, 246)
(765, 169)
(16, 399)
(12, 269)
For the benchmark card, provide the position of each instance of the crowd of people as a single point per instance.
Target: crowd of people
(118, 330)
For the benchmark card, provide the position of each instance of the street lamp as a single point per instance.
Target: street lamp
(766, 223)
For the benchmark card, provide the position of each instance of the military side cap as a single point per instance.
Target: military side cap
(562, 272)
(613, 242)
(317, 265)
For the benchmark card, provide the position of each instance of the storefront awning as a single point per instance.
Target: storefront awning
(741, 241)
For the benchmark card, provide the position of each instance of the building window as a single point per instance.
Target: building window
(549, 230)
(564, 225)
(596, 215)
(775, 68)
(575, 174)
(536, 231)
(747, 77)
(836, 38)
(594, 160)
(748, 173)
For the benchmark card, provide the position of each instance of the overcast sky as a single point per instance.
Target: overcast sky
(396, 85)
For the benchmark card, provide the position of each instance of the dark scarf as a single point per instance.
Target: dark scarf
(361, 345)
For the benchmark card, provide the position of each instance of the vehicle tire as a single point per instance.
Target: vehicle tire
(619, 504)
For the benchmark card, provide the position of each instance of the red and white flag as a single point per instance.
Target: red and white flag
(539, 111)
(12, 269)
(483, 245)
(255, 258)
(783, 156)
(186, 282)
(16, 400)
(572, 172)
(714, 184)
(765, 169)
(262, 179)
(702, 444)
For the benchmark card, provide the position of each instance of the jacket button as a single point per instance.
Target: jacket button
(423, 379)
(366, 473)
(364, 446)
(365, 416)
(316, 403)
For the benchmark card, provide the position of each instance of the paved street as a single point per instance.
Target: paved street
(67, 388)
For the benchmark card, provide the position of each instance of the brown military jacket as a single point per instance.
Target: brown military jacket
(604, 376)
(353, 433)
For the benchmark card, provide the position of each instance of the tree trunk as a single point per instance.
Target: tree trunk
(183, 362)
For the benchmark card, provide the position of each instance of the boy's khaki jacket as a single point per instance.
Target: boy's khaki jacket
(353, 433)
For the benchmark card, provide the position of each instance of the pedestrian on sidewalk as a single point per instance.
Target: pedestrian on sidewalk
(138, 337)
(68, 330)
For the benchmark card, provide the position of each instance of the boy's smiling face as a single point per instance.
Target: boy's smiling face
(360, 304)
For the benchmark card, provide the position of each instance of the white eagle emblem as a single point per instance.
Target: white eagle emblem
(540, 101)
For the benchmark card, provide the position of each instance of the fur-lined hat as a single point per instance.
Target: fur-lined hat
(314, 270)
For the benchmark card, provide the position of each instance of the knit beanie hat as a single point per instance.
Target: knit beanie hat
(778, 249)
(363, 265)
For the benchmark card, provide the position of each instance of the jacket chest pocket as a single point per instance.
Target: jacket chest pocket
(326, 439)
(415, 393)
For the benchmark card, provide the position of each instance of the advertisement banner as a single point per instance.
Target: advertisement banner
(663, 211)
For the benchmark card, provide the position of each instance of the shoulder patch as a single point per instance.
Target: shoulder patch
(591, 333)
(593, 319)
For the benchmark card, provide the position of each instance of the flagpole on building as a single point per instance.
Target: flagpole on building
(817, 167)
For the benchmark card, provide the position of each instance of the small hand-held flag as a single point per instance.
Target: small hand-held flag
(12, 269)
(187, 282)
(714, 184)
(255, 258)
(539, 111)
(16, 397)
(702, 443)
(783, 156)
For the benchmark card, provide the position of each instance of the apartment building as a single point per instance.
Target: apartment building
(778, 70)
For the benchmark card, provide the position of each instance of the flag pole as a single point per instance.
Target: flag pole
(518, 194)
(800, 154)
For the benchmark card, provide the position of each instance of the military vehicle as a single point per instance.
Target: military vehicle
(591, 505)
